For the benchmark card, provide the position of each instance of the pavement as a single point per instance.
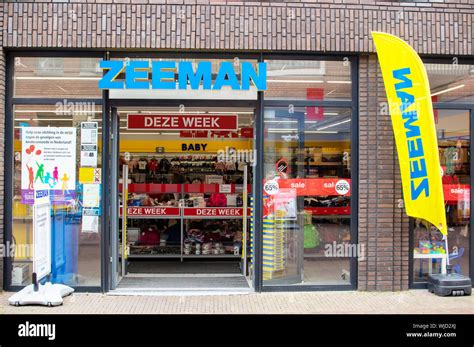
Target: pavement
(351, 302)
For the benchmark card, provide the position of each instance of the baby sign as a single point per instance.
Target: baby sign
(48, 163)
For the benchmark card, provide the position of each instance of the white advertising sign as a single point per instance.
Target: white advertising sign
(89, 138)
(41, 234)
(91, 195)
(90, 220)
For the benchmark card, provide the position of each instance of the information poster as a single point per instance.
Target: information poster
(90, 220)
(285, 204)
(91, 195)
(41, 234)
(89, 138)
(48, 163)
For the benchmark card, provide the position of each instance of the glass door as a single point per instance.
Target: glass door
(283, 219)
(186, 204)
(306, 196)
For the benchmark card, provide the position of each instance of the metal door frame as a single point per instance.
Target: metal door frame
(114, 125)
(114, 200)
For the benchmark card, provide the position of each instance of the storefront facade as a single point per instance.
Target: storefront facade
(320, 129)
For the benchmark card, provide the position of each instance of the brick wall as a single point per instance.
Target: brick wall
(255, 26)
(441, 27)
(383, 228)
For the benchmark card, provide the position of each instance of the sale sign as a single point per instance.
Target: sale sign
(181, 122)
(317, 186)
(457, 192)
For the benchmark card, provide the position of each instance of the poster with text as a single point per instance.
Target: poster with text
(284, 204)
(48, 163)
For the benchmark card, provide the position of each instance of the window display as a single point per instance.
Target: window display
(186, 202)
(47, 156)
(307, 197)
(429, 248)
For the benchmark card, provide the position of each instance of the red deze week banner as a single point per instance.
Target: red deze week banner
(138, 211)
(181, 122)
(215, 211)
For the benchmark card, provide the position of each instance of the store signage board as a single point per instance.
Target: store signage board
(41, 234)
(152, 211)
(193, 147)
(169, 75)
(214, 212)
(181, 122)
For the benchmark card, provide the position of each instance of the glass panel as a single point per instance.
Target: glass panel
(48, 77)
(308, 80)
(451, 82)
(454, 142)
(307, 196)
(42, 134)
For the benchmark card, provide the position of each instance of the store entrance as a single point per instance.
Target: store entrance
(185, 187)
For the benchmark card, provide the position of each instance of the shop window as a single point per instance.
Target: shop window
(58, 77)
(309, 80)
(89, 67)
(48, 156)
(451, 82)
(454, 154)
(307, 195)
(49, 66)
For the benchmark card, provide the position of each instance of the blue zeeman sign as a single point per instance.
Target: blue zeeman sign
(137, 75)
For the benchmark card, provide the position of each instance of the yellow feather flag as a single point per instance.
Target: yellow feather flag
(411, 111)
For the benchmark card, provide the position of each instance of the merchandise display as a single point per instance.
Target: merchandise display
(184, 206)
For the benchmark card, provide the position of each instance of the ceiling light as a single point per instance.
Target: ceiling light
(333, 125)
(294, 81)
(447, 90)
(340, 82)
(280, 121)
(45, 119)
(277, 130)
(321, 132)
(51, 111)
